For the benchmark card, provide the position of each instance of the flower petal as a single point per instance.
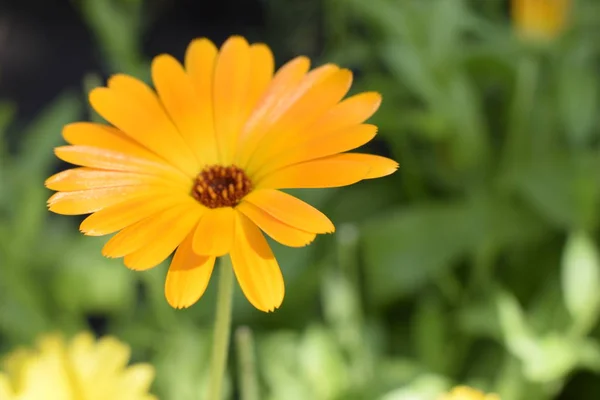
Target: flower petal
(200, 58)
(318, 147)
(279, 231)
(262, 65)
(379, 166)
(88, 201)
(120, 216)
(153, 229)
(327, 86)
(277, 98)
(108, 138)
(165, 239)
(95, 157)
(133, 107)
(90, 178)
(255, 266)
(214, 233)
(136, 381)
(5, 387)
(232, 78)
(333, 171)
(352, 111)
(290, 210)
(184, 106)
(188, 275)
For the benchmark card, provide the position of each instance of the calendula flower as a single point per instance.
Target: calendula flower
(467, 393)
(83, 369)
(540, 19)
(199, 165)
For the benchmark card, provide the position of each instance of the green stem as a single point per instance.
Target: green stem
(222, 330)
(247, 364)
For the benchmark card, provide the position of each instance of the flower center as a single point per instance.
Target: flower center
(217, 186)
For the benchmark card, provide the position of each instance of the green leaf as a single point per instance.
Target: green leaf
(466, 117)
(581, 280)
(447, 18)
(319, 357)
(563, 190)
(278, 361)
(516, 332)
(87, 282)
(578, 96)
(181, 367)
(118, 29)
(7, 112)
(430, 335)
(33, 165)
(555, 357)
(405, 249)
(43, 134)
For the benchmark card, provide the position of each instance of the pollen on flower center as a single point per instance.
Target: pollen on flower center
(217, 186)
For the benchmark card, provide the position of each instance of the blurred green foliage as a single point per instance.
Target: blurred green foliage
(477, 262)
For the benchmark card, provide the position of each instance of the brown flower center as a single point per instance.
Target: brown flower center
(217, 186)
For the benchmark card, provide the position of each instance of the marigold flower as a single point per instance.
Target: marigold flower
(467, 393)
(198, 165)
(540, 19)
(82, 369)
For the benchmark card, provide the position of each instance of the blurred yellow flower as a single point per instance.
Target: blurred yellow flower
(84, 369)
(198, 165)
(540, 19)
(467, 393)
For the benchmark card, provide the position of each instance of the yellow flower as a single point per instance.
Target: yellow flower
(467, 393)
(540, 19)
(84, 369)
(199, 165)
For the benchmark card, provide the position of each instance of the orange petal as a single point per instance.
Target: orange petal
(109, 138)
(95, 157)
(188, 275)
(318, 147)
(169, 236)
(88, 201)
(232, 79)
(214, 233)
(133, 108)
(276, 99)
(183, 104)
(379, 166)
(159, 230)
(328, 90)
(279, 231)
(352, 111)
(200, 58)
(255, 266)
(333, 171)
(290, 210)
(119, 216)
(89, 178)
(262, 65)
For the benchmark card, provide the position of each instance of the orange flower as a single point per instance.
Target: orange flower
(540, 19)
(198, 165)
(467, 393)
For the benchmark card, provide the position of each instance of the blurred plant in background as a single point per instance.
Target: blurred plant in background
(81, 369)
(477, 263)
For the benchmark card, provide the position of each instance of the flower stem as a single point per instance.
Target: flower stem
(222, 330)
